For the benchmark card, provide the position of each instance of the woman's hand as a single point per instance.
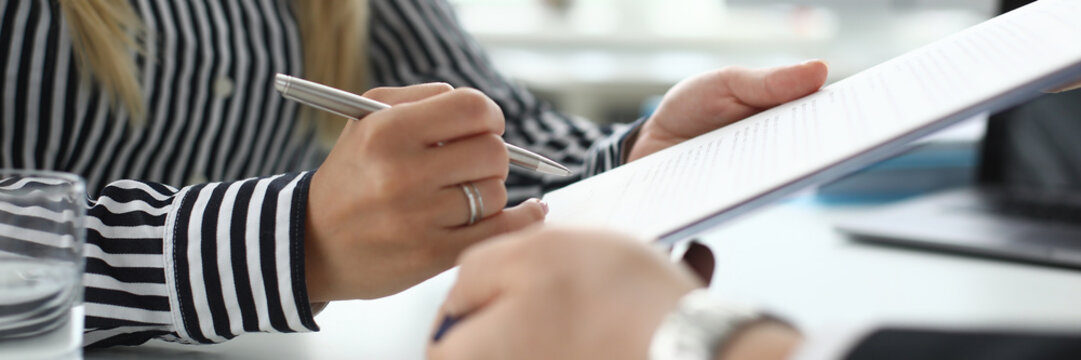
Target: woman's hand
(386, 210)
(712, 100)
(560, 294)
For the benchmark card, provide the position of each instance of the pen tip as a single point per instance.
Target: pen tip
(558, 170)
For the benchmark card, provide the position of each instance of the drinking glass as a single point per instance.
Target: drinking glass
(42, 231)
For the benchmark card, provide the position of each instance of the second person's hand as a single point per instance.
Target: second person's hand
(387, 208)
(717, 98)
(549, 293)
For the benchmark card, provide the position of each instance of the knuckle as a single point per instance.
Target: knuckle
(480, 110)
(473, 102)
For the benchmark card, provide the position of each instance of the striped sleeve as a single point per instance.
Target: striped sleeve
(201, 264)
(417, 41)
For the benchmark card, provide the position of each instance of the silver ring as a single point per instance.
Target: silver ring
(480, 200)
(472, 200)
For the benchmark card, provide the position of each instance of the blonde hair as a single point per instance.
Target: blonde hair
(105, 33)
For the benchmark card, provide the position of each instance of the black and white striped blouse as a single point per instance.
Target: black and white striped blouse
(196, 218)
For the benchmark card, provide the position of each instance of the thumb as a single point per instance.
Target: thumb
(765, 88)
(528, 213)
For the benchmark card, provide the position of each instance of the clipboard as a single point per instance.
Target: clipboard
(685, 190)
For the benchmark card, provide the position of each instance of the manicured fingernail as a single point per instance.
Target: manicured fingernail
(814, 61)
(544, 206)
(448, 322)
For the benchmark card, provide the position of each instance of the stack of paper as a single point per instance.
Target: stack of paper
(688, 188)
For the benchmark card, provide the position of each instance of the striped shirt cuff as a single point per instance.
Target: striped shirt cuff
(234, 258)
(610, 153)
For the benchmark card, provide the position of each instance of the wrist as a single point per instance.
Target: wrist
(702, 328)
(650, 138)
(630, 139)
(314, 275)
(316, 260)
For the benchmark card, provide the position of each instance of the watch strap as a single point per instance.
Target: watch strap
(699, 326)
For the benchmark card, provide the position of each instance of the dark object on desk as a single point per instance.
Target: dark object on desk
(890, 344)
(1026, 206)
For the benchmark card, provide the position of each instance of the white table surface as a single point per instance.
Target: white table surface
(786, 257)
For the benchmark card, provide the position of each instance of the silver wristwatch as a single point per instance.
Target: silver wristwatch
(698, 327)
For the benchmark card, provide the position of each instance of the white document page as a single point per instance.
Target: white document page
(724, 168)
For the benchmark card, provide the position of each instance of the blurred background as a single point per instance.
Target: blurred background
(611, 60)
(605, 59)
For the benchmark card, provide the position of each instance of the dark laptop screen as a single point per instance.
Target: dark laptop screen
(1006, 6)
(1036, 145)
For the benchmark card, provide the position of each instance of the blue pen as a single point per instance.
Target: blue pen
(448, 322)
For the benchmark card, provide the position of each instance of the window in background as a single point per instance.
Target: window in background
(602, 58)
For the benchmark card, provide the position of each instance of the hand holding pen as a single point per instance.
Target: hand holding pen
(558, 293)
(404, 191)
(356, 107)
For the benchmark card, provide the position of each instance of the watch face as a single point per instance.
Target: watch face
(696, 328)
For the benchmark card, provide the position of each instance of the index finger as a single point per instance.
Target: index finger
(480, 276)
(405, 94)
(481, 336)
(466, 317)
(449, 116)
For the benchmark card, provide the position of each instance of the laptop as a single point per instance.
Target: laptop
(1025, 206)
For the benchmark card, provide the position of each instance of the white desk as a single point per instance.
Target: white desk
(787, 257)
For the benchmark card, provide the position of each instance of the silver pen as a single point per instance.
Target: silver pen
(354, 106)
